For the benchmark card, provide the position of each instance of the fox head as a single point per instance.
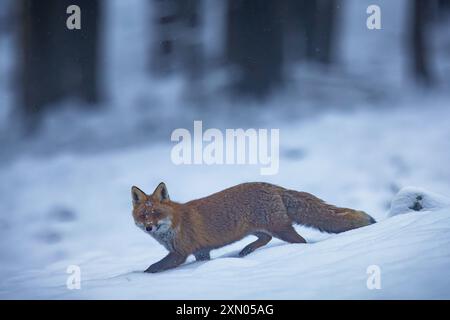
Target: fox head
(152, 213)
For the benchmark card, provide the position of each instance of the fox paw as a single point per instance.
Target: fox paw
(245, 252)
(152, 269)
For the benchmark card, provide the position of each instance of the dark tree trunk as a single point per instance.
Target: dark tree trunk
(310, 29)
(177, 44)
(444, 5)
(443, 8)
(325, 26)
(294, 23)
(254, 45)
(421, 11)
(192, 50)
(309, 18)
(165, 24)
(57, 63)
(319, 23)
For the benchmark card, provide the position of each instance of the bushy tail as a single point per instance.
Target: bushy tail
(308, 210)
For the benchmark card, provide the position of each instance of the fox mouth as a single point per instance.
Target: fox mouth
(153, 228)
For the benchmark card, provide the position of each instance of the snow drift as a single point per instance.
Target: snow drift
(411, 250)
(415, 199)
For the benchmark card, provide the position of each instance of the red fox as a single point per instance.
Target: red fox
(261, 209)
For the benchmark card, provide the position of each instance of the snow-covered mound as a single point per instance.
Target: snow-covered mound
(410, 251)
(415, 199)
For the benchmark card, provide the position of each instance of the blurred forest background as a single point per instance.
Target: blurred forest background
(165, 60)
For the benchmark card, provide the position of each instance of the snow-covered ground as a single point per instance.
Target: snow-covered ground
(353, 136)
(75, 209)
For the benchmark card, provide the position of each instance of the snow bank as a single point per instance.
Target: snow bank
(411, 251)
(415, 199)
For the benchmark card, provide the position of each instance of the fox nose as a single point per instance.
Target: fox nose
(149, 228)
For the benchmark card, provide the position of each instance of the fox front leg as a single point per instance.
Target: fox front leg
(172, 260)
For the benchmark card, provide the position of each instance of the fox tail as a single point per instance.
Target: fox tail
(305, 209)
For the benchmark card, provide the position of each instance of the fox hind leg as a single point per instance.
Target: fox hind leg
(263, 239)
(202, 255)
(289, 234)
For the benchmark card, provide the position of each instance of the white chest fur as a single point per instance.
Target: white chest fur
(164, 235)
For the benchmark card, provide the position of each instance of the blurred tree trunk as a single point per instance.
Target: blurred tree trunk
(192, 58)
(443, 10)
(310, 28)
(164, 26)
(254, 45)
(420, 51)
(177, 38)
(444, 6)
(294, 44)
(319, 22)
(324, 31)
(310, 18)
(57, 63)
(177, 43)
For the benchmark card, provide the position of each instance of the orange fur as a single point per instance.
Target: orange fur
(261, 209)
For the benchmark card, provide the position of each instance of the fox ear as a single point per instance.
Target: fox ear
(137, 195)
(161, 192)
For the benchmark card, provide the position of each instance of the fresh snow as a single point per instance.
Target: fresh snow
(75, 209)
(354, 136)
(417, 199)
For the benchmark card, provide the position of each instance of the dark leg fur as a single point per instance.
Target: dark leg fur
(170, 261)
(289, 235)
(202, 255)
(263, 239)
